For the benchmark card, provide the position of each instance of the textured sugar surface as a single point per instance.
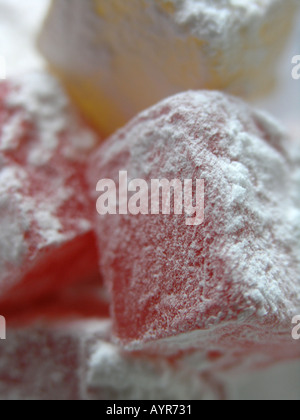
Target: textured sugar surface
(128, 48)
(234, 279)
(45, 212)
(77, 361)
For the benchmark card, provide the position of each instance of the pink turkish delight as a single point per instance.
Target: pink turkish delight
(47, 241)
(228, 281)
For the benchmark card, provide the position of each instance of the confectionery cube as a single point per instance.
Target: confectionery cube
(47, 241)
(229, 282)
(119, 57)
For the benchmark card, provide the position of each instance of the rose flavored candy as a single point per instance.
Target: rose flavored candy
(47, 241)
(232, 280)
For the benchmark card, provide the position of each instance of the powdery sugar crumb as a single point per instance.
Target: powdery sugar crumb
(38, 99)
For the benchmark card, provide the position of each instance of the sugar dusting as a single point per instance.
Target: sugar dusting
(169, 46)
(18, 24)
(122, 375)
(38, 99)
(40, 143)
(76, 360)
(242, 155)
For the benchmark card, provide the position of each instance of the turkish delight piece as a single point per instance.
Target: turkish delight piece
(229, 280)
(46, 239)
(77, 361)
(117, 58)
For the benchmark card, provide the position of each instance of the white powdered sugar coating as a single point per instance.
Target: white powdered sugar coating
(123, 376)
(242, 266)
(13, 222)
(163, 47)
(42, 103)
(40, 100)
(40, 133)
(44, 362)
(18, 24)
(218, 22)
(76, 360)
(12, 245)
